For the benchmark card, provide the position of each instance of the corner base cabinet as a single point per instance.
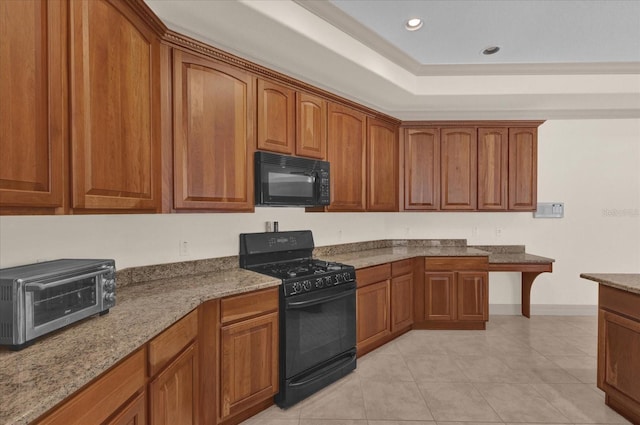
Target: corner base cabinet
(619, 350)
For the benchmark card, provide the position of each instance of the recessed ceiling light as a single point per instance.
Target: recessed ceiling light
(413, 24)
(492, 50)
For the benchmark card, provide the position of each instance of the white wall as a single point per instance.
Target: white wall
(593, 166)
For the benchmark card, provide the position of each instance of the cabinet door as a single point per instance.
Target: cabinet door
(213, 106)
(473, 296)
(421, 169)
(135, 413)
(523, 169)
(382, 173)
(439, 296)
(249, 363)
(372, 312)
(347, 155)
(311, 126)
(618, 354)
(33, 101)
(401, 302)
(115, 101)
(174, 392)
(458, 173)
(493, 157)
(276, 117)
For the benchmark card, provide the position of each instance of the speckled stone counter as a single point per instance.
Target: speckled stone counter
(374, 257)
(629, 282)
(37, 378)
(152, 298)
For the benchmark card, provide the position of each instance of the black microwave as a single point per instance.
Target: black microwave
(289, 181)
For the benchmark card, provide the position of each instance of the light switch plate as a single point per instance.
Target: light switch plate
(549, 210)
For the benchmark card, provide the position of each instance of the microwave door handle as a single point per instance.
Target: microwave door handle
(39, 286)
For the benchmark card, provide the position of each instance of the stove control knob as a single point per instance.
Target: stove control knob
(319, 282)
(297, 287)
(327, 280)
(338, 278)
(306, 285)
(346, 276)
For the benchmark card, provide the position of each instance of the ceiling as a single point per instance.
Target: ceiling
(557, 59)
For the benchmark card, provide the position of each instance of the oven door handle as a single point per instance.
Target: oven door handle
(351, 358)
(309, 303)
(39, 286)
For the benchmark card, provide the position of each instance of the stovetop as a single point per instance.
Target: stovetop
(307, 275)
(288, 256)
(299, 268)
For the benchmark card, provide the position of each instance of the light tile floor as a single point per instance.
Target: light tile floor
(519, 371)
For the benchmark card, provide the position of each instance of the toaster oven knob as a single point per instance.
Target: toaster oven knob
(109, 285)
(110, 297)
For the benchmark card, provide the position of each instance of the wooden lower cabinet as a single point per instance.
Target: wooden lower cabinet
(107, 396)
(135, 413)
(455, 292)
(249, 350)
(401, 295)
(619, 351)
(373, 305)
(174, 392)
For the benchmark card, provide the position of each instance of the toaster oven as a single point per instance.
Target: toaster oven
(39, 298)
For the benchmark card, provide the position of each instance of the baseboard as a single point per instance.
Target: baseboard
(544, 310)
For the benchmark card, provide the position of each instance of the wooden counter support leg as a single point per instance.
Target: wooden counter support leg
(529, 272)
(527, 282)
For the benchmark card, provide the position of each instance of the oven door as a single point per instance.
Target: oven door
(53, 303)
(318, 326)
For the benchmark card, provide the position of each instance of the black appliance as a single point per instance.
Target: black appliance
(317, 311)
(289, 181)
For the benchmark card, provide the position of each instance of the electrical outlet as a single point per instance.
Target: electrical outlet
(339, 235)
(183, 248)
(474, 231)
(498, 232)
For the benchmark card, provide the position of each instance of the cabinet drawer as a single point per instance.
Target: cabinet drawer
(456, 263)
(104, 396)
(373, 274)
(244, 306)
(399, 268)
(627, 303)
(169, 343)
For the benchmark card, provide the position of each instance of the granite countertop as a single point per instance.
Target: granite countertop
(629, 282)
(374, 257)
(40, 376)
(152, 298)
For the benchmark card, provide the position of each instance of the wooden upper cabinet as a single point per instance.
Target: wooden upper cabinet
(311, 126)
(347, 155)
(458, 173)
(276, 117)
(421, 169)
(382, 173)
(33, 99)
(523, 168)
(214, 139)
(493, 160)
(115, 108)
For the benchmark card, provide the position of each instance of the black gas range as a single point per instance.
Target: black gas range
(317, 310)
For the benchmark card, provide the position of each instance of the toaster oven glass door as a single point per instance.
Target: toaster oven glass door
(54, 303)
